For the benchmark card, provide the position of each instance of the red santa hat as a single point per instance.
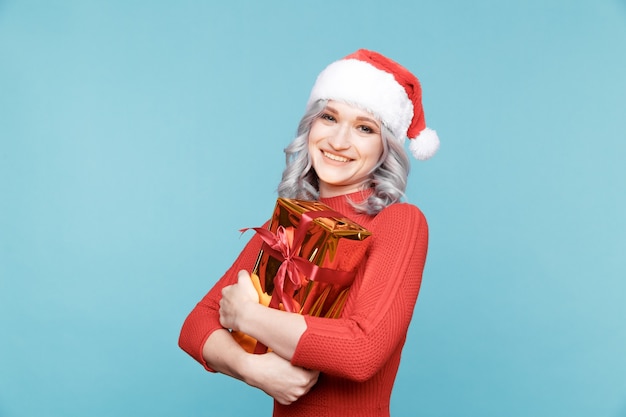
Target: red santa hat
(384, 88)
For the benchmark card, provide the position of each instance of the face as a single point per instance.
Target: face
(345, 145)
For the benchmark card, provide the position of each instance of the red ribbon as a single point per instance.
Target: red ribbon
(294, 267)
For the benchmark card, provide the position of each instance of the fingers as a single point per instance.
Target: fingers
(301, 387)
(235, 299)
(244, 280)
(243, 275)
(312, 380)
(280, 379)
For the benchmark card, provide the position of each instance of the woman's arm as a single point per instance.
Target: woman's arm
(203, 338)
(380, 306)
(269, 372)
(240, 310)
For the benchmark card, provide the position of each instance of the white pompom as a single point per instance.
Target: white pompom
(425, 144)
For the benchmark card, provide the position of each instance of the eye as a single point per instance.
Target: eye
(366, 129)
(327, 116)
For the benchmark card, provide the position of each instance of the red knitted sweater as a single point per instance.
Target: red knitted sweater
(358, 354)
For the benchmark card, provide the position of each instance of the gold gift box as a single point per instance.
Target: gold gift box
(318, 288)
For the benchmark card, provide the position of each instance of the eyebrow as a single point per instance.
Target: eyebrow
(368, 119)
(361, 118)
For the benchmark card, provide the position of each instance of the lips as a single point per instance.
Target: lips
(335, 157)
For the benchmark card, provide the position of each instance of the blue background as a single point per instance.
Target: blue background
(137, 137)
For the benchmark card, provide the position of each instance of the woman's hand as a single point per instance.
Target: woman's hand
(235, 299)
(240, 310)
(275, 376)
(278, 378)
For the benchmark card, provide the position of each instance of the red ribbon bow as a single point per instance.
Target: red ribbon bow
(284, 246)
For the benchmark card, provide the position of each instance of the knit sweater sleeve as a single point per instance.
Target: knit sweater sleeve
(380, 305)
(204, 319)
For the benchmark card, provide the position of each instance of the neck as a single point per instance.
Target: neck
(327, 191)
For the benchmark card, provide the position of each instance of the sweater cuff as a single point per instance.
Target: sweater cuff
(306, 354)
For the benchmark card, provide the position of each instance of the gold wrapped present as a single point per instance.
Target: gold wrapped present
(296, 265)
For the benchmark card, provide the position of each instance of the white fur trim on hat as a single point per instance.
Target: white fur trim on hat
(361, 84)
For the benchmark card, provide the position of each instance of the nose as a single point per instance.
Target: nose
(340, 138)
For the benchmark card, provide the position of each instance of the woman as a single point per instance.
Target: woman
(348, 154)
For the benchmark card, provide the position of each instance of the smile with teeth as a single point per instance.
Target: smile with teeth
(335, 157)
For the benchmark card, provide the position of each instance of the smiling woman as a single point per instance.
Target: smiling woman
(348, 154)
(345, 145)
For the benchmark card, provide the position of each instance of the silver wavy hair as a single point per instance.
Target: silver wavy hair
(389, 176)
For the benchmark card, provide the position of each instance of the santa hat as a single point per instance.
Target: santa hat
(383, 87)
